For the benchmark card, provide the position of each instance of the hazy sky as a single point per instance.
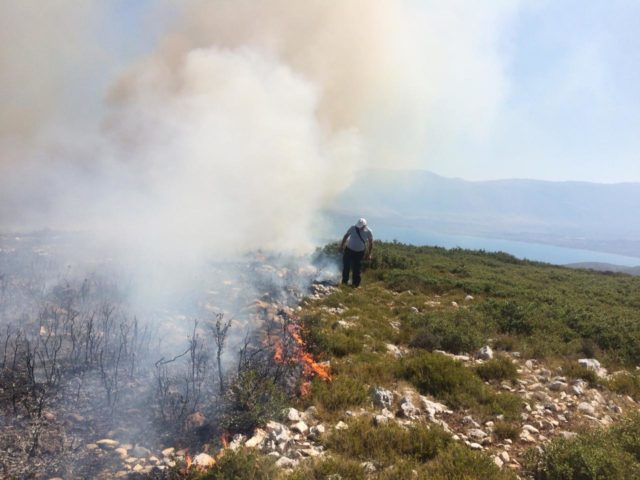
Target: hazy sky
(546, 89)
(560, 82)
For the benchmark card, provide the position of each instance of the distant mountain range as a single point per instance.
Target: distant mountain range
(605, 267)
(600, 217)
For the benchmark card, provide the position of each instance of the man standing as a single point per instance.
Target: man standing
(360, 240)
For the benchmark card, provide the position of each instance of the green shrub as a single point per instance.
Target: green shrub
(593, 456)
(498, 368)
(251, 400)
(341, 393)
(625, 383)
(574, 370)
(460, 463)
(504, 430)
(384, 444)
(241, 464)
(330, 467)
(457, 385)
(456, 332)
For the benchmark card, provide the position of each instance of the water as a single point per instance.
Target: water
(524, 250)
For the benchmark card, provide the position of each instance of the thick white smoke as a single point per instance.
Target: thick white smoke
(244, 121)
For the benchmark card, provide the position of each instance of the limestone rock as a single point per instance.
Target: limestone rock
(382, 397)
(485, 353)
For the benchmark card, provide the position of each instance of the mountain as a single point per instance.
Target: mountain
(601, 217)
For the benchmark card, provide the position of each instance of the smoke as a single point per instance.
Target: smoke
(235, 129)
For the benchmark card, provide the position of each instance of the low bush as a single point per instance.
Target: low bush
(384, 444)
(460, 463)
(329, 467)
(457, 385)
(612, 454)
(506, 430)
(625, 383)
(251, 400)
(240, 464)
(498, 368)
(341, 393)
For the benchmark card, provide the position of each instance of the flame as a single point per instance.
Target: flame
(310, 367)
(189, 461)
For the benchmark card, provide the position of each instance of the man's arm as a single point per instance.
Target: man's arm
(344, 241)
(370, 253)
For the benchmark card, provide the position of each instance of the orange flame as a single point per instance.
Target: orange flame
(189, 461)
(310, 367)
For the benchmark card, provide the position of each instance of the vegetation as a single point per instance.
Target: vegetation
(612, 454)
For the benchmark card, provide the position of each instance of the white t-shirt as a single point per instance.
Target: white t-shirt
(356, 243)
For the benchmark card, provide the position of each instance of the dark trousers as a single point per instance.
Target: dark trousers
(351, 260)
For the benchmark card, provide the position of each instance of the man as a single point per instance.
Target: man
(360, 240)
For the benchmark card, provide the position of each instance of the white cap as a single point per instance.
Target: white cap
(361, 223)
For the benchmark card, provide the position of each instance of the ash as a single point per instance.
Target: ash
(93, 375)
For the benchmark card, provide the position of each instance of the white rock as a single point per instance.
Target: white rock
(300, 427)
(485, 353)
(477, 434)
(382, 397)
(393, 350)
(284, 462)
(341, 426)
(530, 429)
(107, 443)
(468, 298)
(203, 460)
(292, 414)
(258, 438)
(167, 452)
(586, 408)
(498, 461)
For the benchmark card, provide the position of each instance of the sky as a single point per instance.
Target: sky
(570, 108)
(543, 89)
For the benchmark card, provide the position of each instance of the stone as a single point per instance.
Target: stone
(300, 427)
(122, 452)
(341, 426)
(498, 461)
(433, 408)
(468, 420)
(382, 397)
(557, 386)
(167, 452)
(203, 460)
(414, 310)
(285, 462)
(292, 414)
(107, 443)
(393, 350)
(586, 408)
(368, 467)
(475, 446)
(140, 452)
(477, 434)
(408, 409)
(530, 429)
(468, 298)
(590, 363)
(505, 457)
(258, 438)
(485, 353)
(138, 468)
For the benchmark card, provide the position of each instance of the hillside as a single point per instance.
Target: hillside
(583, 215)
(415, 392)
